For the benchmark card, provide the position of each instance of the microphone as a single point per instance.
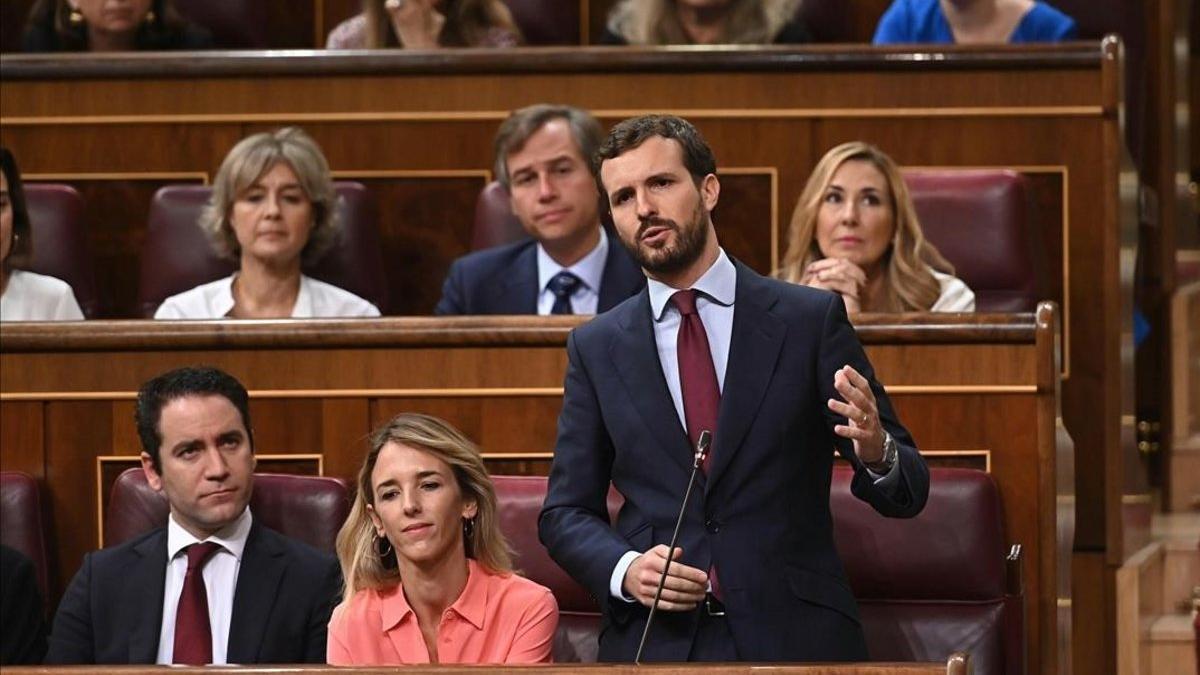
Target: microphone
(702, 445)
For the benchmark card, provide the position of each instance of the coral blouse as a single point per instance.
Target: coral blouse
(497, 619)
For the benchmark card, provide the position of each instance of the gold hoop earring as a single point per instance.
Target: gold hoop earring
(75, 18)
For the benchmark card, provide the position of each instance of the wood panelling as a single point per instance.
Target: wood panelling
(499, 380)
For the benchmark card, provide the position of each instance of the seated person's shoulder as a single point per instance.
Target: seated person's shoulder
(493, 258)
(194, 303)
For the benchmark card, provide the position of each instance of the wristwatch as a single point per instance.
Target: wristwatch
(888, 460)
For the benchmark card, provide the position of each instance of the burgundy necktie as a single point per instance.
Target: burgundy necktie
(698, 384)
(697, 375)
(193, 634)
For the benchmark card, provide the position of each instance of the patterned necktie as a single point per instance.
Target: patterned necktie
(193, 634)
(563, 285)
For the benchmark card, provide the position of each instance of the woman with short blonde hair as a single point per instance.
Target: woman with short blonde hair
(423, 543)
(273, 209)
(855, 231)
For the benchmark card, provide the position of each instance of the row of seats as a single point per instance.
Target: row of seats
(979, 219)
(926, 587)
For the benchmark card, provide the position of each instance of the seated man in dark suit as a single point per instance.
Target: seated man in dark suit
(214, 585)
(570, 265)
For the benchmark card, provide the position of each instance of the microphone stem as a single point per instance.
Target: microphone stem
(662, 580)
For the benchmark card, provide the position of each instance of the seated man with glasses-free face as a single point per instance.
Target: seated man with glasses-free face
(214, 585)
(570, 265)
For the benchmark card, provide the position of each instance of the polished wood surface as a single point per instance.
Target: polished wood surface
(318, 388)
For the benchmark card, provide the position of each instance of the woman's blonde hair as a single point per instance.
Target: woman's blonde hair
(252, 157)
(467, 23)
(909, 284)
(655, 22)
(362, 566)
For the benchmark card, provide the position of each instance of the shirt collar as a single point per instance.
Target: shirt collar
(222, 300)
(471, 605)
(232, 537)
(589, 269)
(718, 284)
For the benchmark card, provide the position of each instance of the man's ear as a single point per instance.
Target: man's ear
(152, 476)
(710, 191)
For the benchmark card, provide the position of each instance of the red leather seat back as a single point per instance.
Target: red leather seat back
(937, 583)
(546, 22)
(520, 499)
(21, 521)
(177, 255)
(495, 223)
(234, 24)
(310, 509)
(61, 248)
(979, 220)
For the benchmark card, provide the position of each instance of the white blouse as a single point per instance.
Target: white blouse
(316, 299)
(36, 297)
(956, 296)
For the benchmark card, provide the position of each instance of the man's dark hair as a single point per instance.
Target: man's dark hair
(515, 131)
(176, 384)
(631, 133)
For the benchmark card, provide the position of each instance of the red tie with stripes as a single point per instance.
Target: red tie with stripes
(193, 633)
(697, 382)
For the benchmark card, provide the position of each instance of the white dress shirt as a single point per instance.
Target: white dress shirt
(717, 289)
(589, 269)
(30, 296)
(220, 580)
(316, 299)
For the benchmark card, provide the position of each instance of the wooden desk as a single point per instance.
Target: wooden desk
(957, 664)
(975, 390)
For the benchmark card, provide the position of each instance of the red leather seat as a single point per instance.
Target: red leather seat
(60, 241)
(546, 22)
(177, 255)
(521, 500)
(926, 587)
(979, 220)
(495, 223)
(21, 521)
(234, 24)
(310, 509)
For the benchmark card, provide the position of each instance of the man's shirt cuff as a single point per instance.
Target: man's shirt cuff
(617, 582)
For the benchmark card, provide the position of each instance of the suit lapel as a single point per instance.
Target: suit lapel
(754, 350)
(262, 567)
(144, 597)
(514, 289)
(635, 354)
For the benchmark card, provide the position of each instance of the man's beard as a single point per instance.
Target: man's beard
(690, 241)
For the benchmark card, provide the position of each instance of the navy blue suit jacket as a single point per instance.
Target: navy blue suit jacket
(112, 611)
(504, 280)
(762, 513)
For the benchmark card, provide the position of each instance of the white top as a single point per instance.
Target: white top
(956, 296)
(30, 296)
(220, 581)
(316, 299)
(589, 269)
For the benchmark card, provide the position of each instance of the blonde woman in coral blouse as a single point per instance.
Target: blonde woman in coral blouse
(428, 573)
